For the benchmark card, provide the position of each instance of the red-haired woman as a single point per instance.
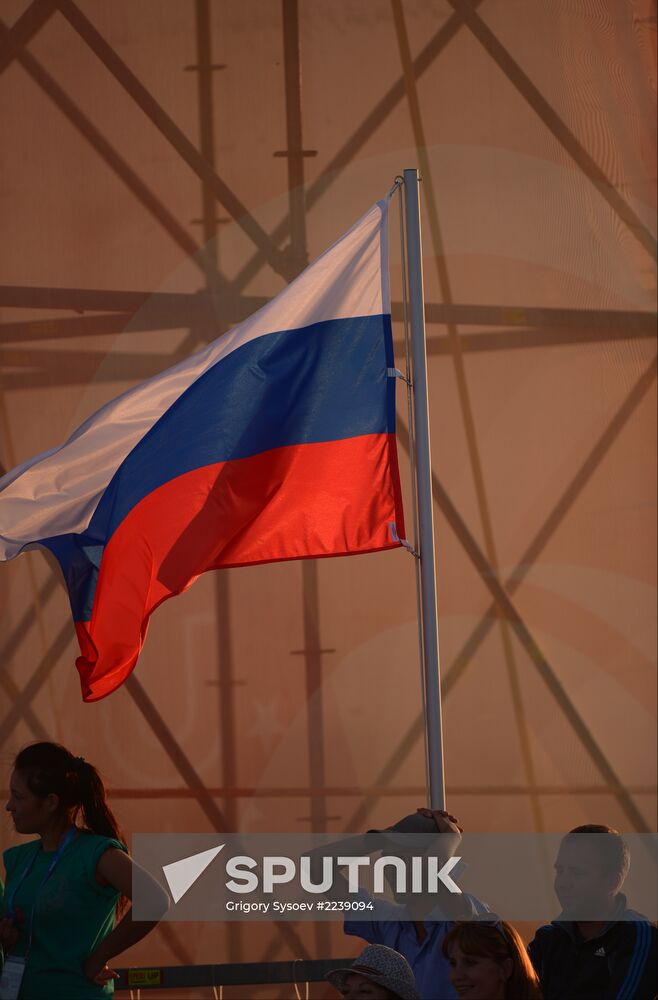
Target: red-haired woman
(65, 890)
(489, 962)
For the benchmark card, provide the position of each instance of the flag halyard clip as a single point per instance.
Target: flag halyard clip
(402, 541)
(399, 181)
(396, 373)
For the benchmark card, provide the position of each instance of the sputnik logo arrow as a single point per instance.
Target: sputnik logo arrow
(181, 875)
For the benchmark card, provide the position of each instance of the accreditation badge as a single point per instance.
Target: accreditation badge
(12, 977)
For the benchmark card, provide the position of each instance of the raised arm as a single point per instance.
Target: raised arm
(452, 905)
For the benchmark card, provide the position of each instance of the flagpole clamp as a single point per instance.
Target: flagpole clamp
(396, 373)
(402, 541)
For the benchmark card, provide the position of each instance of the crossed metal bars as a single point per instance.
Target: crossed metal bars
(527, 327)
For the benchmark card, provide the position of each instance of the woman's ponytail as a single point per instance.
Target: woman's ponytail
(96, 813)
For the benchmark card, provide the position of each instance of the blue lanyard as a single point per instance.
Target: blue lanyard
(70, 835)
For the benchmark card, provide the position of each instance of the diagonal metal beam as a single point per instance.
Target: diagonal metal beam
(548, 528)
(557, 515)
(20, 707)
(24, 29)
(533, 650)
(373, 120)
(548, 115)
(166, 125)
(192, 778)
(107, 152)
(174, 751)
(16, 637)
(414, 732)
(9, 648)
(174, 944)
(21, 700)
(36, 610)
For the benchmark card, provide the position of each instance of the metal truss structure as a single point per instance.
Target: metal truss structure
(222, 300)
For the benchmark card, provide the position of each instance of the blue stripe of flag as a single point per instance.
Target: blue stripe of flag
(325, 382)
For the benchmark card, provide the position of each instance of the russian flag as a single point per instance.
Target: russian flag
(277, 441)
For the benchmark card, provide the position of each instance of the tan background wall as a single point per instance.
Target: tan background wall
(293, 692)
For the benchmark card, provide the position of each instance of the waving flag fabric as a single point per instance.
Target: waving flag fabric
(277, 441)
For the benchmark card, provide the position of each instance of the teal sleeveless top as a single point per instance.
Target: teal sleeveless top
(72, 915)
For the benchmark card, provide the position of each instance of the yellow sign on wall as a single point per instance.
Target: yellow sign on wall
(144, 977)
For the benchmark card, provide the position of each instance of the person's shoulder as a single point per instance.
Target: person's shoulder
(632, 926)
(545, 936)
(626, 923)
(548, 928)
(633, 916)
(97, 843)
(91, 846)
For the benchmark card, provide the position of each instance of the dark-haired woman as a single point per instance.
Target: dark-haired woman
(64, 891)
(489, 962)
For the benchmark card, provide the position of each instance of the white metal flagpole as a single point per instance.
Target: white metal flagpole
(430, 644)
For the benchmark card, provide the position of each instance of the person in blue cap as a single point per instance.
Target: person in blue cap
(408, 925)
